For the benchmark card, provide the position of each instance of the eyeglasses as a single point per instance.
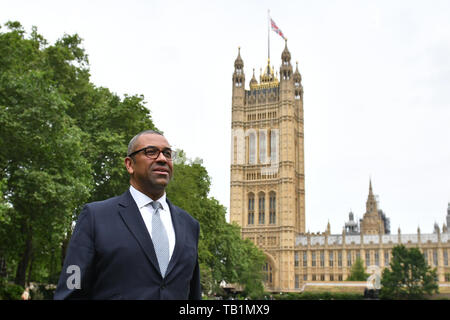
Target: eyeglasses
(153, 153)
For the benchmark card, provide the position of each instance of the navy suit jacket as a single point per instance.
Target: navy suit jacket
(116, 258)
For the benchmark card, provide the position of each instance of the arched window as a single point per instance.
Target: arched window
(267, 273)
(261, 207)
(272, 208)
(252, 148)
(251, 208)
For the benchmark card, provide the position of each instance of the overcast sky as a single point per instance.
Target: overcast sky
(376, 78)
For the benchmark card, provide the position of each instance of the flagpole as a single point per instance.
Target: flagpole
(268, 34)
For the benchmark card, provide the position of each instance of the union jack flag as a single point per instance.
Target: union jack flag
(276, 29)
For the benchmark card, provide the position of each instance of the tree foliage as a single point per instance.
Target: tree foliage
(223, 254)
(409, 276)
(358, 272)
(62, 144)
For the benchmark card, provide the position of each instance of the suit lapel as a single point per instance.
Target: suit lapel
(180, 234)
(130, 214)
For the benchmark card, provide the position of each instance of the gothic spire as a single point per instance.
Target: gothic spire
(286, 67)
(253, 81)
(238, 76)
(286, 55)
(239, 63)
(371, 205)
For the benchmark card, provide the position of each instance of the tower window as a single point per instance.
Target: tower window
(251, 218)
(340, 259)
(272, 208)
(261, 207)
(251, 208)
(386, 258)
(267, 269)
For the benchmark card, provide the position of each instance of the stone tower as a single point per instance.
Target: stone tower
(373, 220)
(267, 185)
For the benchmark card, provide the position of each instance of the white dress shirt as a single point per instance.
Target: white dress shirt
(147, 211)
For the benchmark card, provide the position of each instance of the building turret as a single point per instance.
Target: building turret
(238, 113)
(436, 228)
(238, 75)
(253, 81)
(286, 67)
(351, 227)
(298, 88)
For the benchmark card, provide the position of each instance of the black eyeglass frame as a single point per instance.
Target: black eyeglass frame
(172, 153)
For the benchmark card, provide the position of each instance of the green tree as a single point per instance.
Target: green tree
(107, 121)
(40, 148)
(409, 276)
(358, 272)
(62, 144)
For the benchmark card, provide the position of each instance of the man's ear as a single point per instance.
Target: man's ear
(129, 164)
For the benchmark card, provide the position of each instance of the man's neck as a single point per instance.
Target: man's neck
(154, 194)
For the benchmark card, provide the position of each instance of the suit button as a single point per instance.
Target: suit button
(163, 286)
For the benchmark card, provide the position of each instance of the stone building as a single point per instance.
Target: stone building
(267, 191)
(329, 257)
(267, 167)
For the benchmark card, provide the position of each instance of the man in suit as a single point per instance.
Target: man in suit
(137, 245)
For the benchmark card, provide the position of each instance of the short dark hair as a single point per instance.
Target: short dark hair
(132, 143)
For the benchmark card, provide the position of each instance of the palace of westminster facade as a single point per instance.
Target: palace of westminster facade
(267, 192)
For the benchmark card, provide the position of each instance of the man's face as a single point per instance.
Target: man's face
(150, 175)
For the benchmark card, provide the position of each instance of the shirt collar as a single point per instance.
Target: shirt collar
(142, 199)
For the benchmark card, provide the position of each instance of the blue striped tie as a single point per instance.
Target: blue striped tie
(160, 239)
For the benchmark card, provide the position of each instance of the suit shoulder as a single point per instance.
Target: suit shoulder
(104, 203)
(184, 213)
(104, 207)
